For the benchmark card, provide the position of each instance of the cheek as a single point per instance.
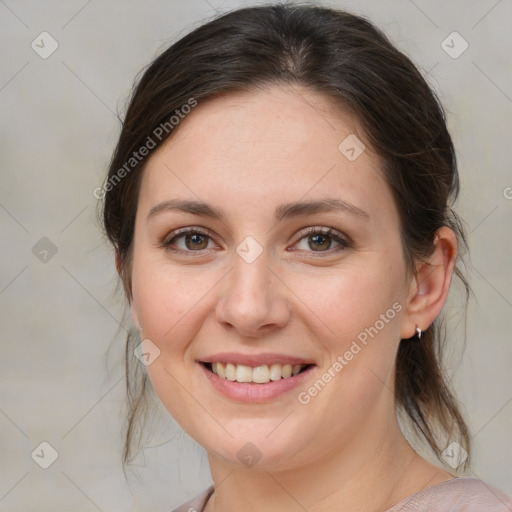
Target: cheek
(170, 304)
(358, 311)
(172, 307)
(348, 300)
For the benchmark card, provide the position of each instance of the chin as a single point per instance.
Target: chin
(258, 449)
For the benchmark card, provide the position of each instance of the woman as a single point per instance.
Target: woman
(279, 202)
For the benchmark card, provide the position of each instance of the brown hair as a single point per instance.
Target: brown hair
(351, 62)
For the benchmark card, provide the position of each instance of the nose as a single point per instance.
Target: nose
(252, 300)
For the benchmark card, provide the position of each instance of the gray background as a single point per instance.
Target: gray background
(61, 319)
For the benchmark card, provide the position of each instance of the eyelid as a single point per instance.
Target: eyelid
(344, 240)
(180, 232)
(188, 229)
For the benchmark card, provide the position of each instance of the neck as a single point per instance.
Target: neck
(373, 472)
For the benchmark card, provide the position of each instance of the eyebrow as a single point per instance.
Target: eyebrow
(283, 211)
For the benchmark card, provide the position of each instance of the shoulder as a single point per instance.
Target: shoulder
(457, 495)
(196, 504)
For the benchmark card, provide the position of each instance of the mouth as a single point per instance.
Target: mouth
(256, 378)
(262, 374)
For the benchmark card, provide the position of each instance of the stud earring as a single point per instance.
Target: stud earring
(418, 332)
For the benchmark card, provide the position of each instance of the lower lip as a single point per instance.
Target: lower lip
(251, 392)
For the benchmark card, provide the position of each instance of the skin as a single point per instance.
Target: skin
(247, 153)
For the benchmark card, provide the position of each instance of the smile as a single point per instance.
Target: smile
(258, 375)
(255, 379)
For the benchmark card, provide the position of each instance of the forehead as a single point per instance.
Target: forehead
(289, 122)
(276, 144)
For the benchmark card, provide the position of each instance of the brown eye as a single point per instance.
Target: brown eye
(196, 241)
(319, 239)
(188, 240)
(319, 242)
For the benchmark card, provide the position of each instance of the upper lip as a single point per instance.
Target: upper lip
(255, 360)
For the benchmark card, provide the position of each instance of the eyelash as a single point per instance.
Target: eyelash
(344, 241)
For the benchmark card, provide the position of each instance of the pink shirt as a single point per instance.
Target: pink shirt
(464, 494)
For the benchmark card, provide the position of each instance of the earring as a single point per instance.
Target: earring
(418, 332)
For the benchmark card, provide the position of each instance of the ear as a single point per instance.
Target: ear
(430, 284)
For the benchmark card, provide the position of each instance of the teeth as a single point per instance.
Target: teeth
(243, 373)
(230, 371)
(259, 374)
(296, 368)
(221, 371)
(275, 372)
(286, 371)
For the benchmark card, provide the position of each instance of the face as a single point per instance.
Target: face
(260, 243)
